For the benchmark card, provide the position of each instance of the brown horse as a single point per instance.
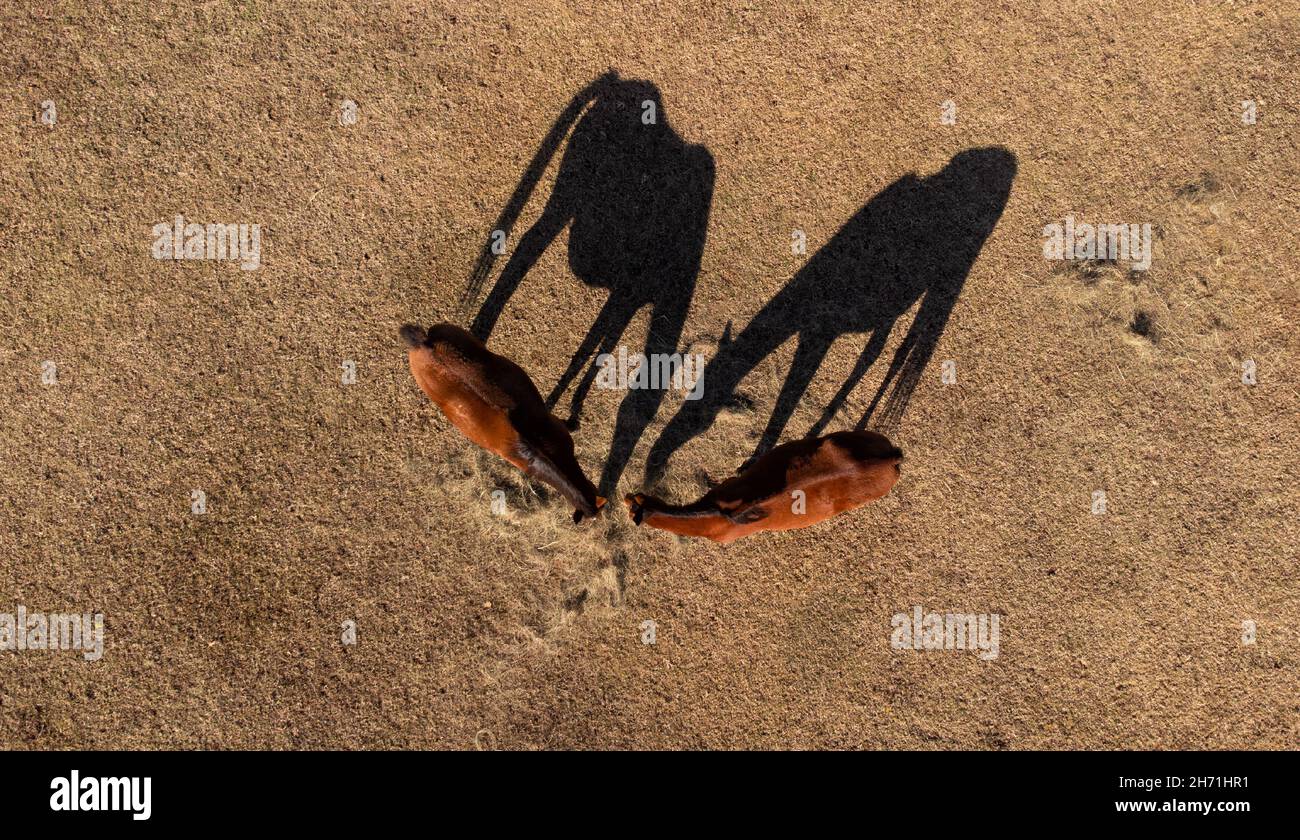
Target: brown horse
(795, 485)
(494, 403)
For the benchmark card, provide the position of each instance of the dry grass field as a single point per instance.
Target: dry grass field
(329, 502)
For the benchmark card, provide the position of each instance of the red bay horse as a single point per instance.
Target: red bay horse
(795, 485)
(494, 403)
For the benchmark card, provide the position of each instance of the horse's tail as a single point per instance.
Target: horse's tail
(412, 335)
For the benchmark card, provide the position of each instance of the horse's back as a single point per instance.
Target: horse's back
(805, 482)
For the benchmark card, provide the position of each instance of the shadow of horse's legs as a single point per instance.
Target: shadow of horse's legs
(605, 331)
(530, 247)
(895, 365)
(896, 403)
(589, 378)
(807, 358)
(868, 358)
(638, 409)
(722, 374)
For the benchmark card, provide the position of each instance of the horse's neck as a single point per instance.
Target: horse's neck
(688, 520)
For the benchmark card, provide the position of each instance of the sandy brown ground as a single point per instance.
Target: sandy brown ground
(331, 502)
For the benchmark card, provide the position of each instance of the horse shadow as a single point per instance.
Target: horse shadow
(915, 240)
(636, 199)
